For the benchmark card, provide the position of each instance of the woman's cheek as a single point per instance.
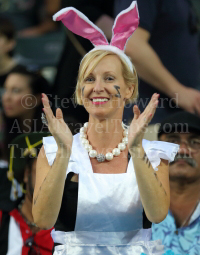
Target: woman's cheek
(18, 102)
(3, 99)
(28, 101)
(85, 93)
(86, 90)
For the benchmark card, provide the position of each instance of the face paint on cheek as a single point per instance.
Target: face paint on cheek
(118, 93)
(82, 91)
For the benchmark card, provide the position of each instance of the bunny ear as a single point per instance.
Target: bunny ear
(79, 24)
(125, 24)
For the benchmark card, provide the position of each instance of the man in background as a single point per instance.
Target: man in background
(180, 231)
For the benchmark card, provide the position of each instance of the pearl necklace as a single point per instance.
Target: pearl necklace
(101, 157)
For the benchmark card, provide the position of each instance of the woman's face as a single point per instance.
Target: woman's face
(17, 98)
(104, 91)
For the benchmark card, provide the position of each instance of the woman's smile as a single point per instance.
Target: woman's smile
(99, 100)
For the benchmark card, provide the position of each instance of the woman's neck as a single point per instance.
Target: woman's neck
(104, 135)
(6, 64)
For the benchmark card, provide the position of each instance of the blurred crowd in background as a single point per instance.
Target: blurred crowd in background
(38, 55)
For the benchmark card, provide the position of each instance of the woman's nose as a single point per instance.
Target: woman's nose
(7, 96)
(98, 86)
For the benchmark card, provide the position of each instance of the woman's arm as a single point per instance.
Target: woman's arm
(50, 180)
(48, 191)
(153, 185)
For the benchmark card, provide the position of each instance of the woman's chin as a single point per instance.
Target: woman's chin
(103, 112)
(10, 115)
(99, 114)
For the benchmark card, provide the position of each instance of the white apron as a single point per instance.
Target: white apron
(109, 212)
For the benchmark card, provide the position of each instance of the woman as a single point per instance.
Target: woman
(100, 204)
(22, 104)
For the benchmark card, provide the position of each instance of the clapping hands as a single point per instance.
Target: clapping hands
(140, 122)
(57, 126)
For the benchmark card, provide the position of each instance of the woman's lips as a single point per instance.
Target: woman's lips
(97, 103)
(99, 100)
(8, 108)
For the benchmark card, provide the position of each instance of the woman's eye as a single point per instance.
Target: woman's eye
(89, 79)
(16, 90)
(110, 78)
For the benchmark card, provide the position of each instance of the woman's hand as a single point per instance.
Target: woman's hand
(140, 122)
(57, 126)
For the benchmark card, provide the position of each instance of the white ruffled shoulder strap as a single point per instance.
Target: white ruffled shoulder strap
(50, 148)
(157, 150)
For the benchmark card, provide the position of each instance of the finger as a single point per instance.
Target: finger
(47, 109)
(45, 100)
(151, 105)
(136, 112)
(59, 114)
(46, 105)
(154, 100)
(150, 111)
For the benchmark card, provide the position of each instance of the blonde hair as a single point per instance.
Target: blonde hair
(95, 57)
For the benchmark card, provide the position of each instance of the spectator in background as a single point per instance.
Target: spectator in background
(7, 45)
(22, 114)
(7, 63)
(31, 17)
(101, 13)
(180, 231)
(164, 50)
(18, 234)
(22, 104)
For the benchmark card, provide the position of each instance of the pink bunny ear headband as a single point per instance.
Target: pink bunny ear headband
(124, 26)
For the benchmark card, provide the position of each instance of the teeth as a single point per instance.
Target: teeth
(100, 100)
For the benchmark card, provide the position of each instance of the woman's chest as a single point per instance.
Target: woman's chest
(116, 166)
